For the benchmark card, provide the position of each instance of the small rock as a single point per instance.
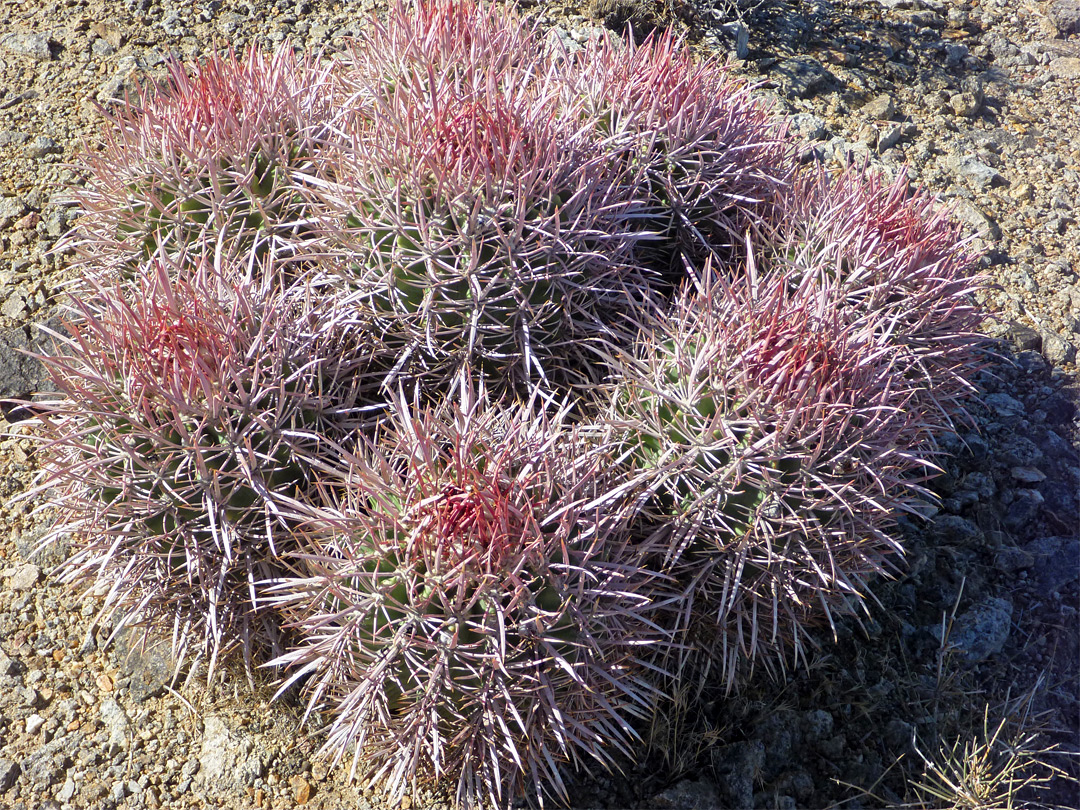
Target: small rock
(889, 138)
(117, 724)
(1065, 15)
(12, 209)
(1022, 513)
(1064, 67)
(1059, 409)
(41, 146)
(9, 772)
(1010, 559)
(880, 108)
(101, 48)
(26, 577)
(1005, 406)
(807, 127)
(956, 530)
(149, 666)
(1027, 475)
(966, 105)
(982, 630)
(1057, 350)
(34, 723)
(802, 76)
(1056, 562)
(984, 224)
(67, 792)
(687, 795)
(817, 725)
(954, 54)
(974, 170)
(36, 46)
(736, 767)
(740, 38)
(301, 790)
(119, 792)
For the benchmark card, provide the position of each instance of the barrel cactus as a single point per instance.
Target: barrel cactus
(211, 161)
(183, 399)
(487, 225)
(473, 609)
(705, 157)
(775, 440)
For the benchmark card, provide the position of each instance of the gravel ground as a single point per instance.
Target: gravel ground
(979, 99)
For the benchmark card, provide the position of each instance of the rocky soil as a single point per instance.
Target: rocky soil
(978, 99)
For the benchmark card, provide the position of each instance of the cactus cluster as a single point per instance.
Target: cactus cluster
(489, 392)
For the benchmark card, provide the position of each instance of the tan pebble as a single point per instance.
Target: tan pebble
(58, 655)
(260, 798)
(406, 802)
(301, 789)
(104, 682)
(74, 725)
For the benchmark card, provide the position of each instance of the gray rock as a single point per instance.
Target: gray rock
(102, 48)
(735, 768)
(688, 795)
(1010, 559)
(1056, 561)
(14, 305)
(148, 666)
(1020, 451)
(889, 138)
(954, 54)
(67, 792)
(740, 38)
(11, 210)
(21, 375)
(11, 136)
(36, 46)
(982, 630)
(41, 146)
(26, 577)
(1027, 476)
(117, 724)
(966, 105)
(1057, 350)
(1024, 510)
(8, 666)
(802, 76)
(807, 127)
(983, 223)
(880, 108)
(1065, 15)
(1064, 67)
(1005, 406)
(956, 530)
(973, 170)
(9, 772)
(817, 725)
(982, 484)
(45, 765)
(226, 760)
(1059, 409)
